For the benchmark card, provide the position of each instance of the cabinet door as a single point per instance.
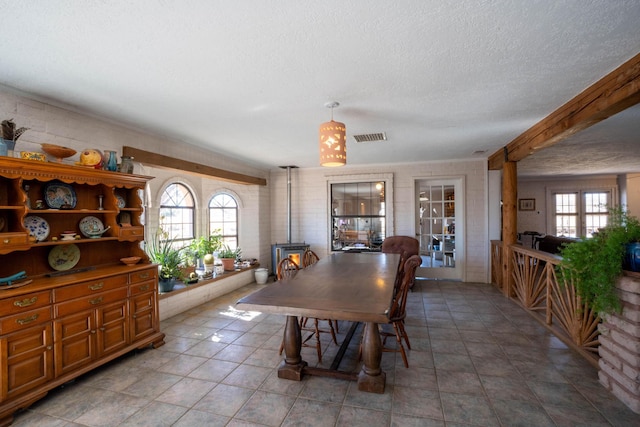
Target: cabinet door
(113, 328)
(74, 343)
(29, 359)
(144, 319)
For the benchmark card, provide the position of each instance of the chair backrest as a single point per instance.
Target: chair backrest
(401, 244)
(309, 257)
(406, 246)
(398, 305)
(287, 268)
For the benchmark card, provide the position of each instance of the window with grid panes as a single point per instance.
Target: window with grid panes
(358, 215)
(177, 212)
(223, 218)
(580, 213)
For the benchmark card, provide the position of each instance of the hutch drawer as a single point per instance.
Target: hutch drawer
(90, 287)
(24, 303)
(24, 320)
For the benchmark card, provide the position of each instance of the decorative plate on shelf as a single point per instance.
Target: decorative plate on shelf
(37, 227)
(57, 194)
(64, 257)
(90, 226)
(121, 202)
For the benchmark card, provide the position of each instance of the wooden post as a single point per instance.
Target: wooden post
(509, 221)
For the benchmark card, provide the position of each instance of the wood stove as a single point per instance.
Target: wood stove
(295, 251)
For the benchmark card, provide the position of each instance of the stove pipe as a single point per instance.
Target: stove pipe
(288, 168)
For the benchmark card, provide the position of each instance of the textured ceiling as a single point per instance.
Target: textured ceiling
(444, 79)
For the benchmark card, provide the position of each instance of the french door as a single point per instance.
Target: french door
(439, 227)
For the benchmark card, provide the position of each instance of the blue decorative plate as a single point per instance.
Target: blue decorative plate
(37, 227)
(58, 194)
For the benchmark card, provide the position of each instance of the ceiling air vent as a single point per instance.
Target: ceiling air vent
(370, 137)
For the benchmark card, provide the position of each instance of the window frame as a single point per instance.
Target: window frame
(162, 223)
(386, 179)
(581, 209)
(232, 240)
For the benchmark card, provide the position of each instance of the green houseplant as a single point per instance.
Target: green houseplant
(162, 251)
(202, 246)
(229, 256)
(594, 265)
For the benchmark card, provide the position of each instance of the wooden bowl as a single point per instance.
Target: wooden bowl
(132, 260)
(58, 151)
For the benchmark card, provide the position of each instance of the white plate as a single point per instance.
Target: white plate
(121, 202)
(90, 226)
(64, 257)
(37, 227)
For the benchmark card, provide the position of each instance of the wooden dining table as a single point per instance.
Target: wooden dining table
(356, 287)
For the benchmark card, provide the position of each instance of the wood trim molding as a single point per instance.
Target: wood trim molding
(165, 162)
(613, 93)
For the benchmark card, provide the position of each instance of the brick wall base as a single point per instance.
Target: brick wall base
(620, 345)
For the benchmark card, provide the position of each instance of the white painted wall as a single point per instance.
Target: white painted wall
(263, 218)
(633, 194)
(310, 212)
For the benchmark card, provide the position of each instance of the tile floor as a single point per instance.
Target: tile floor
(477, 360)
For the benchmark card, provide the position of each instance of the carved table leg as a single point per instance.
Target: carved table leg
(291, 367)
(371, 378)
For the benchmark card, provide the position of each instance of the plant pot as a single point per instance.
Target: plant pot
(166, 285)
(261, 274)
(632, 257)
(228, 263)
(186, 271)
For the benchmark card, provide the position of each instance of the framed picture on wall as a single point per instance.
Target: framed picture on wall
(527, 204)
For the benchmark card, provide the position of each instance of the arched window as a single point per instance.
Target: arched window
(223, 216)
(177, 212)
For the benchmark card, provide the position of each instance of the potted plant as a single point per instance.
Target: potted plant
(229, 256)
(202, 246)
(595, 264)
(162, 251)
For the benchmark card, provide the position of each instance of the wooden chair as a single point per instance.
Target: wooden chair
(288, 268)
(405, 246)
(397, 312)
(309, 257)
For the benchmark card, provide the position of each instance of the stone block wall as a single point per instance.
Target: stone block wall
(620, 345)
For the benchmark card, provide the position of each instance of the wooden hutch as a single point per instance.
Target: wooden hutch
(69, 315)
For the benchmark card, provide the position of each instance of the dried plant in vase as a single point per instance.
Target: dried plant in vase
(10, 134)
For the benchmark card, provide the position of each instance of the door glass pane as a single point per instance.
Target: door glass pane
(437, 225)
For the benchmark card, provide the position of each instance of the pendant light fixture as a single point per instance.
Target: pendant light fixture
(333, 141)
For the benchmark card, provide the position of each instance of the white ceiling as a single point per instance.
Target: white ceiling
(443, 79)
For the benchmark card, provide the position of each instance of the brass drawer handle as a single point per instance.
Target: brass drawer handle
(143, 275)
(97, 286)
(96, 300)
(7, 241)
(27, 320)
(144, 288)
(25, 302)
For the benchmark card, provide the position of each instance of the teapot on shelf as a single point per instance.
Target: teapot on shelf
(96, 233)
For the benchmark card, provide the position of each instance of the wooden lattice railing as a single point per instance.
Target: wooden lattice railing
(537, 287)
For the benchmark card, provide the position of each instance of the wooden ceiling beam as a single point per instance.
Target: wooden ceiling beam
(165, 162)
(615, 92)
